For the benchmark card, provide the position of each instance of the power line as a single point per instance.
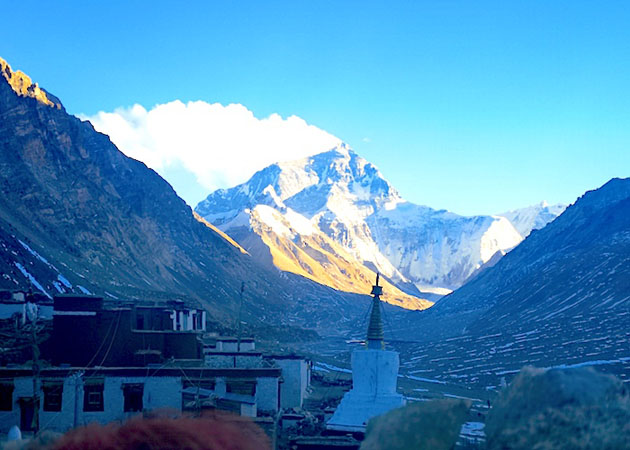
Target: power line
(111, 343)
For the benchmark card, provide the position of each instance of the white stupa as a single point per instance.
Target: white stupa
(374, 378)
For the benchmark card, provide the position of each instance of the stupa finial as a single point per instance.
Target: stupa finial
(375, 328)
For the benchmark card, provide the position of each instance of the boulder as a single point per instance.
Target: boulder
(576, 408)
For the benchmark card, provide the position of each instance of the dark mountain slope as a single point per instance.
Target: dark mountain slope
(562, 297)
(75, 211)
(578, 264)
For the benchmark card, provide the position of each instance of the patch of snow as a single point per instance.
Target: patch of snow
(462, 397)
(599, 362)
(84, 290)
(507, 372)
(533, 217)
(417, 399)
(32, 279)
(473, 430)
(299, 223)
(273, 219)
(64, 281)
(333, 368)
(426, 380)
(34, 253)
(59, 287)
(500, 235)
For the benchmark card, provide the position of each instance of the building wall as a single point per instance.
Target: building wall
(220, 360)
(248, 410)
(159, 393)
(226, 346)
(8, 309)
(248, 346)
(188, 319)
(22, 387)
(267, 394)
(296, 376)
(78, 340)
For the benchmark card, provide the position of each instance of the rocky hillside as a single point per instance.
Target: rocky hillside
(561, 298)
(76, 215)
(292, 244)
(578, 264)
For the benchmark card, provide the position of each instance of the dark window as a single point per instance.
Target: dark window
(140, 322)
(133, 397)
(6, 395)
(93, 397)
(52, 396)
(243, 387)
(229, 405)
(28, 418)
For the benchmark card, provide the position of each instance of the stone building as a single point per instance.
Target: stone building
(69, 397)
(221, 351)
(85, 331)
(112, 361)
(296, 379)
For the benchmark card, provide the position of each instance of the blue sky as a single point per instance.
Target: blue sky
(475, 107)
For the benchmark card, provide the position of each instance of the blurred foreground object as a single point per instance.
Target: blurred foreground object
(44, 441)
(431, 425)
(211, 432)
(561, 409)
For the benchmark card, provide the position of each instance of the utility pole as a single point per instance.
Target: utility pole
(240, 310)
(32, 313)
(77, 383)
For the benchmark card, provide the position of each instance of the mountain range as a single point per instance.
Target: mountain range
(335, 218)
(560, 298)
(77, 215)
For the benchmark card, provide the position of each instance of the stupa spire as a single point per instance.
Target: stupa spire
(374, 378)
(375, 327)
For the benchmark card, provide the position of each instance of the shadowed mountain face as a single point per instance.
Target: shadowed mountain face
(77, 215)
(562, 297)
(577, 265)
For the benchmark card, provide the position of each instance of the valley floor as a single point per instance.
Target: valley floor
(475, 366)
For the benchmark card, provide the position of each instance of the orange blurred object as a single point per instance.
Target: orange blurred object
(214, 431)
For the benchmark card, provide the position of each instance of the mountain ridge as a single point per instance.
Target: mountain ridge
(74, 208)
(596, 225)
(23, 85)
(423, 251)
(559, 299)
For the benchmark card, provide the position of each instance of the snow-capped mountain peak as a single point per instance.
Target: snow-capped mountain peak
(346, 198)
(533, 217)
(306, 185)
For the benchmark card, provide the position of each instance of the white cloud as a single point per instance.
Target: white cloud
(220, 145)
